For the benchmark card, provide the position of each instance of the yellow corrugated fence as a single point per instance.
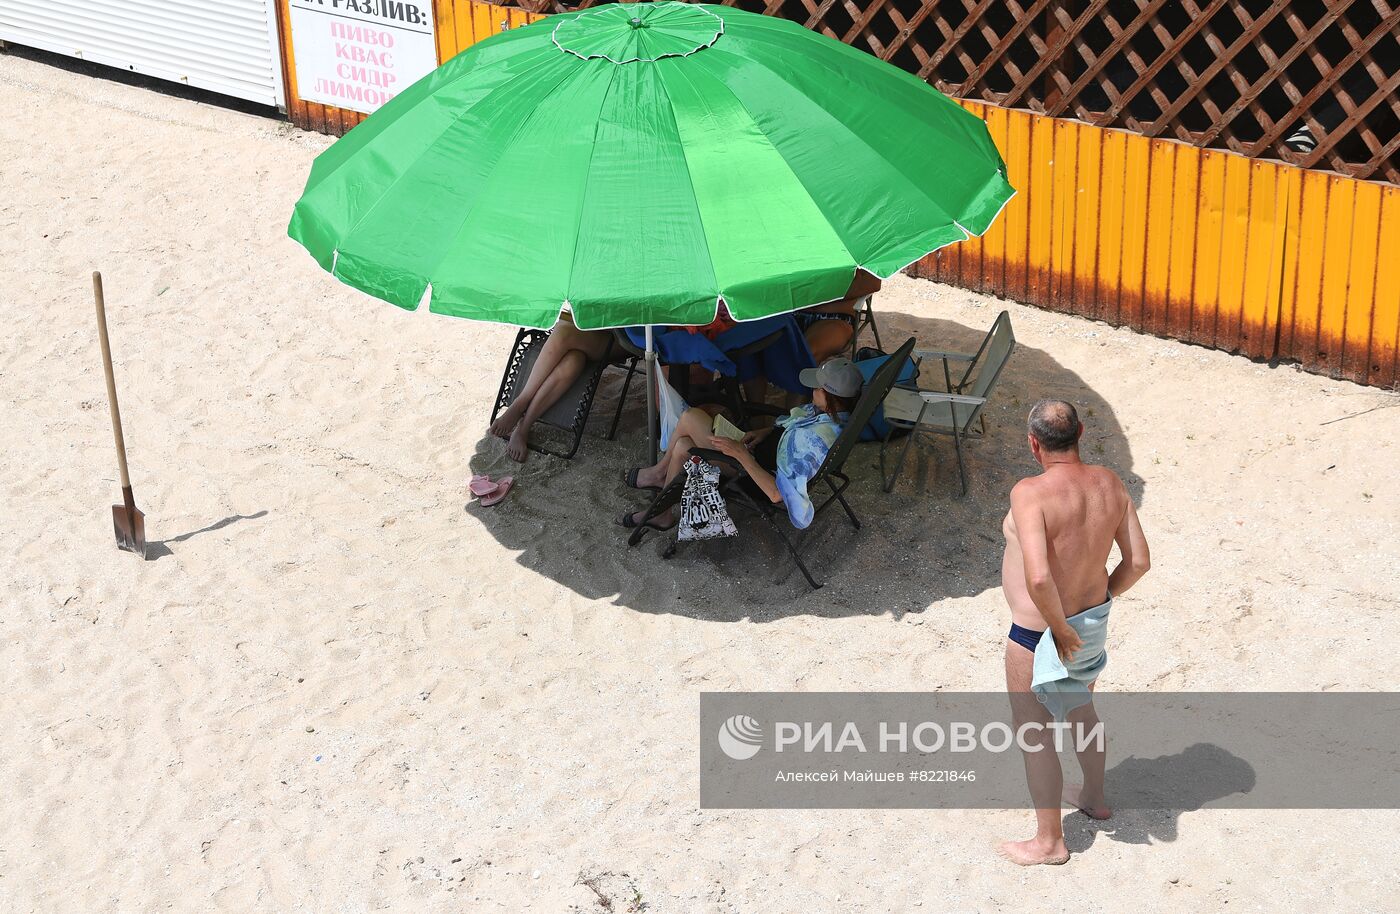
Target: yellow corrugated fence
(1245, 255)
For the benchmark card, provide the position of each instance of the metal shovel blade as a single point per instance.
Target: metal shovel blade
(130, 526)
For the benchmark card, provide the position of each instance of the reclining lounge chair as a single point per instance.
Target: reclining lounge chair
(570, 413)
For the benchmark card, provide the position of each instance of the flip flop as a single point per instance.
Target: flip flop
(499, 492)
(627, 521)
(629, 479)
(481, 485)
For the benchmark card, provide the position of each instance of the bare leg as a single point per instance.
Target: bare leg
(695, 426)
(564, 338)
(554, 349)
(828, 339)
(1043, 774)
(671, 465)
(1088, 798)
(565, 373)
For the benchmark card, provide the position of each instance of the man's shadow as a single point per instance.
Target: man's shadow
(921, 543)
(1148, 795)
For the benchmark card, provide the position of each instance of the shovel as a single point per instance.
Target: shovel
(128, 523)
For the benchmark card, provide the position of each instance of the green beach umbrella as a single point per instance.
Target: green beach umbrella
(640, 163)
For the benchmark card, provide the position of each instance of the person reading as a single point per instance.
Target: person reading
(779, 459)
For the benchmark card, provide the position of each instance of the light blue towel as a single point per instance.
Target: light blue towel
(1060, 687)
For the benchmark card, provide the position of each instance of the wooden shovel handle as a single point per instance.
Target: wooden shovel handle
(111, 382)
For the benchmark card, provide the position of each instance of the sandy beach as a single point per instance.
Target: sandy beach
(340, 685)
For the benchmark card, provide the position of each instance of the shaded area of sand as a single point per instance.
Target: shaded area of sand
(906, 558)
(341, 687)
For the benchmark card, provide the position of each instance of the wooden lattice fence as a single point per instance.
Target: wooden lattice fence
(1315, 83)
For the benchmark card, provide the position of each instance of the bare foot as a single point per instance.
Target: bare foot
(1035, 852)
(517, 447)
(651, 476)
(663, 521)
(505, 423)
(1093, 807)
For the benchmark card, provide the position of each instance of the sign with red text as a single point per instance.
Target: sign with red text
(358, 54)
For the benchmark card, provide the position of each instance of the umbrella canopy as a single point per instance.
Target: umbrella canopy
(641, 163)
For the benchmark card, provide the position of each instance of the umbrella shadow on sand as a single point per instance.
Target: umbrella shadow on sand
(918, 545)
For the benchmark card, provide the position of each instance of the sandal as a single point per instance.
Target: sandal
(500, 492)
(629, 478)
(627, 521)
(488, 491)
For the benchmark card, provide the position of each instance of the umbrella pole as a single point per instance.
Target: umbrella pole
(651, 397)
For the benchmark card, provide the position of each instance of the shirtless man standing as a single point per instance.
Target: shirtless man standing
(1059, 532)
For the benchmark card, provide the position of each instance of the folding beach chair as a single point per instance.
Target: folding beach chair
(570, 412)
(741, 491)
(865, 317)
(954, 411)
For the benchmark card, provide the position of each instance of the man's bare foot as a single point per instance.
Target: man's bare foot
(518, 444)
(1035, 852)
(505, 423)
(1093, 807)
